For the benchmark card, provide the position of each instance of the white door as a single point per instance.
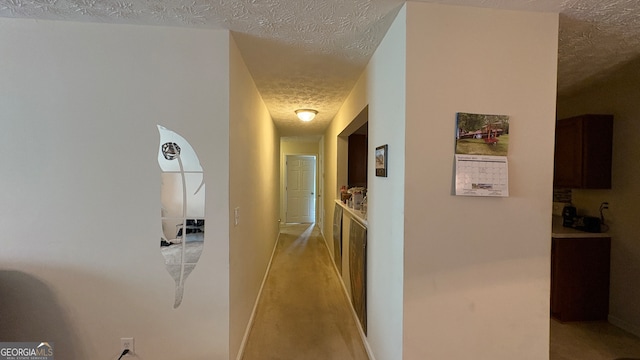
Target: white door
(301, 189)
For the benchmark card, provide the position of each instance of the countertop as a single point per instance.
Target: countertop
(360, 216)
(559, 231)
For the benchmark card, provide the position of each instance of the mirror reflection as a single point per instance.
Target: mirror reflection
(182, 214)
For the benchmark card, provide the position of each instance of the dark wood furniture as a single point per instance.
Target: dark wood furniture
(583, 152)
(357, 160)
(580, 278)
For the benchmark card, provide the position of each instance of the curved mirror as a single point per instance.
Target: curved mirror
(182, 214)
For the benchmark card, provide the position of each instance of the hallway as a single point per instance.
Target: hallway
(303, 312)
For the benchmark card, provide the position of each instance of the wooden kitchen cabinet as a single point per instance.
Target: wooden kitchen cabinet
(583, 152)
(580, 278)
(357, 160)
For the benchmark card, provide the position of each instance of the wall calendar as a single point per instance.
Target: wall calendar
(481, 165)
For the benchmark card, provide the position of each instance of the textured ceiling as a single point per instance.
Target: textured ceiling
(309, 53)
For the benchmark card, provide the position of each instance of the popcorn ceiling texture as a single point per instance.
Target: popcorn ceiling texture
(309, 53)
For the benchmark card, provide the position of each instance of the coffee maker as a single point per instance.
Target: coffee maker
(569, 214)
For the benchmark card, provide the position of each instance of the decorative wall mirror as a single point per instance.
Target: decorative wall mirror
(183, 205)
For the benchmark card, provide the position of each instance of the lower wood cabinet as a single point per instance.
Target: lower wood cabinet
(358, 271)
(580, 278)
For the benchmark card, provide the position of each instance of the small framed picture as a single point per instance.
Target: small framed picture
(381, 160)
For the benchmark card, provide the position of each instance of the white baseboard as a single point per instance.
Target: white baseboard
(255, 304)
(624, 325)
(367, 347)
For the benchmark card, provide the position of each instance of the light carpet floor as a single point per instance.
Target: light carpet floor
(303, 312)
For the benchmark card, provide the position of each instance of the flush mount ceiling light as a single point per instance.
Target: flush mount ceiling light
(306, 114)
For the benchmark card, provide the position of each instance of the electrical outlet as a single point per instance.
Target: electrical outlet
(127, 343)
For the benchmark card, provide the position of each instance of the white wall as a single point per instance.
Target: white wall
(382, 88)
(477, 269)
(385, 196)
(617, 96)
(254, 180)
(80, 189)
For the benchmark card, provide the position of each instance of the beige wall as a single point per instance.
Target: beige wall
(386, 202)
(297, 146)
(476, 270)
(617, 96)
(475, 283)
(253, 188)
(381, 87)
(80, 189)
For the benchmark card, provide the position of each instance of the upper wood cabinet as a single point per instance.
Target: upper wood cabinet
(357, 160)
(583, 152)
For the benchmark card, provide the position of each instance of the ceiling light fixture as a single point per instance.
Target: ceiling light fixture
(306, 114)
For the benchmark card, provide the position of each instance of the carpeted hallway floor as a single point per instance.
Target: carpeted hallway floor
(303, 312)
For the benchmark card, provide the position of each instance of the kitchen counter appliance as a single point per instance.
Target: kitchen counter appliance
(571, 219)
(568, 214)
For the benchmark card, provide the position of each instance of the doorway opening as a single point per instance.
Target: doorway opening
(300, 188)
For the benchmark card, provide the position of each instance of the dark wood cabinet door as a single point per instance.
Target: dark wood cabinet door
(583, 152)
(597, 150)
(357, 160)
(568, 154)
(580, 278)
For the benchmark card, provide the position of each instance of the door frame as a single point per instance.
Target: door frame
(285, 197)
